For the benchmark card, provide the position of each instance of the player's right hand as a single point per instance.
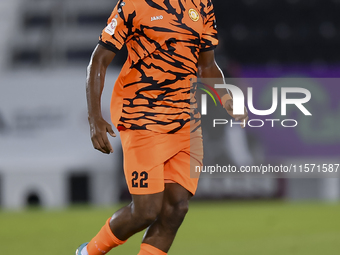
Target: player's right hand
(99, 129)
(230, 109)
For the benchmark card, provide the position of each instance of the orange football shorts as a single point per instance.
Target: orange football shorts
(152, 159)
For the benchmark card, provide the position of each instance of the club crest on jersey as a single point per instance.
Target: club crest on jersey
(110, 28)
(156, 18)
(193, 14)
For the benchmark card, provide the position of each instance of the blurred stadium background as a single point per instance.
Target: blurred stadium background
(46, 156)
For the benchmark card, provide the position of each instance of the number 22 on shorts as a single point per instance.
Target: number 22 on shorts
(143, 177)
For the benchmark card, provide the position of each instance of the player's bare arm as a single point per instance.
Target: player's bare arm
(100, 59)
(208, 68)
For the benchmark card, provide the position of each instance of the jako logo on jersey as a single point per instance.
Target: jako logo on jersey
(110, 28)
(193, 14)
(211, 92)
(156, 18)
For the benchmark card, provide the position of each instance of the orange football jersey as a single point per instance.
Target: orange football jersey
(164, 39)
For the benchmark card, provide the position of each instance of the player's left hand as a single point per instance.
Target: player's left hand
(242, 118)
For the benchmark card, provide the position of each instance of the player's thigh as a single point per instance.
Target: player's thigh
(175, 193)
(147, 206)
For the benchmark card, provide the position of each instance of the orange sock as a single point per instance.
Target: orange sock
(147, 249)
(104, 241)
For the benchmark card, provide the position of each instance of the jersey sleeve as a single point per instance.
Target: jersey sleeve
(209, 39)
(120, 26)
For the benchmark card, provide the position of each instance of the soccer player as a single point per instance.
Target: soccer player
(169, 42)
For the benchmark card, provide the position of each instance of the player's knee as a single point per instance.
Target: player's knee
(173, 215)
(178, 210)
(182, 208)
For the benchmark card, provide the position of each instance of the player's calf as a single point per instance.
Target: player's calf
(127, 221)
